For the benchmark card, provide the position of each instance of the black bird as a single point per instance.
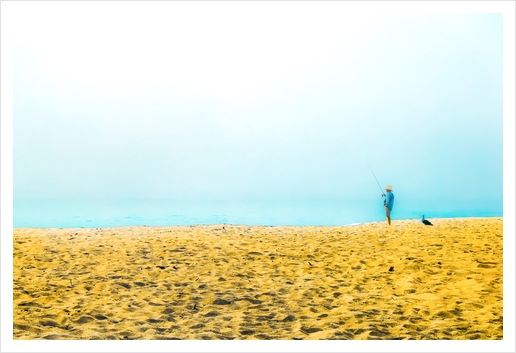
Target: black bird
(426, 221)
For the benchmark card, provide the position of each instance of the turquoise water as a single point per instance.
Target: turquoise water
(76, 213)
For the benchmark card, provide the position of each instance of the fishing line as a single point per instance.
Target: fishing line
(383, 195)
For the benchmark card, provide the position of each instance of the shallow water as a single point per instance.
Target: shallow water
(92, 213)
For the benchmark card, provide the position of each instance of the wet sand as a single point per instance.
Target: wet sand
(229, 282)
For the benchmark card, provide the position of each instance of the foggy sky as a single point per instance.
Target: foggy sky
(255, 101)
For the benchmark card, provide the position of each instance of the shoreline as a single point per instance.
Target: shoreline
(399, 221)
(237, 282)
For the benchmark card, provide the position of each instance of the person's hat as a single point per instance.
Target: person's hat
(388, 188)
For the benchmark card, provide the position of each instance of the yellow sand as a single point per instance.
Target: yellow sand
(372, 281)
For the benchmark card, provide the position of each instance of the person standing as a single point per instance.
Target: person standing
(388, 203)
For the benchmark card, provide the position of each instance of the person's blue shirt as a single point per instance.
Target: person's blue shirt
(389, 200)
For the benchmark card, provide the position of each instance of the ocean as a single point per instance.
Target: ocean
(96, 213)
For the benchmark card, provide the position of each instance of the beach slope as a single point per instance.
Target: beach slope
(370, 281)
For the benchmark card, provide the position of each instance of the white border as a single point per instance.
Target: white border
(6, 159)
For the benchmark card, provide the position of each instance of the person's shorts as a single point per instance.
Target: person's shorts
(387, 212)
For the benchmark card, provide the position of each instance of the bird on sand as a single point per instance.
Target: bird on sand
(426, 221)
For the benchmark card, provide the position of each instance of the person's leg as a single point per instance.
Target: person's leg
(388, 215)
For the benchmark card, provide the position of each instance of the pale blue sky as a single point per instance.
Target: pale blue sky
(256, 101)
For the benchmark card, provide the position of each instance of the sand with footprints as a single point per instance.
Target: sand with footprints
(232, 282)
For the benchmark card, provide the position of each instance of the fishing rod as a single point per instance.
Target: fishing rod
(383, 195)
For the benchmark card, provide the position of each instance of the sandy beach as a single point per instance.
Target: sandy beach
(237, 282)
